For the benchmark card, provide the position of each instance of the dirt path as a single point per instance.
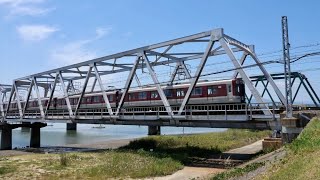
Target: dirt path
(191, 173)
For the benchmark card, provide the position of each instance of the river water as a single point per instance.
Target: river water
(56, 134)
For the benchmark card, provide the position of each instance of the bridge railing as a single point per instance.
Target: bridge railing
(191, 112)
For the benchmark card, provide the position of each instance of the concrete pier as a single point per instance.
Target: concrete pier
(35, 137)
(154, 130)
(71, 126)
(6, 137)
(6, 134)
(291, 128)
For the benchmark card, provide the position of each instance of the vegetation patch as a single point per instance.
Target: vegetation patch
(7, 169)
(303, 157)
(236, 172)
(182, 147)
(147, 157)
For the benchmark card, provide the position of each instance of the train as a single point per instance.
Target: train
(206, 92)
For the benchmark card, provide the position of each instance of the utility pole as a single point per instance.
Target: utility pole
(287, 71)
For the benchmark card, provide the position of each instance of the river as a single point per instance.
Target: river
(56, 134)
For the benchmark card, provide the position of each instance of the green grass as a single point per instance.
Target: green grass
(236, 172)
(7, 169)
(146, 157)
(303, 158)
(182, 147)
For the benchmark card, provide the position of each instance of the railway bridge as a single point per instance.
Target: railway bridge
(53, 96)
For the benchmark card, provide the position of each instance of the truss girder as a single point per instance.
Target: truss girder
(158, 86)
(38, 97)
(145, 57)
(250, 51)
(65, 94)
(102, 89)
(128, 84)
(214, 36)
(244, 76)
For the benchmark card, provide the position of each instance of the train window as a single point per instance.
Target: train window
(197, 91)
(110, 97)
(168, 92)
(131, 96)
(83, 100)
(96, 99)
(180, 92)
(212, 90)
(154, 95)
(75, 101)
(142, 95)
(88, 100)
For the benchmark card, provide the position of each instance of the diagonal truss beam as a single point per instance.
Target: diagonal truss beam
(104, 94)
(128, 84)
(53, 88)
(244, 76)
(38, 97)
(250, 52)
(65, 94)
(83, 90)
(195, 78)
(10, 99)
(1, 104)
(27, 98)
(242, 60)
(157, 84)
(18, 100)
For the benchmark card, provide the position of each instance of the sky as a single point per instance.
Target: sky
(39, 35)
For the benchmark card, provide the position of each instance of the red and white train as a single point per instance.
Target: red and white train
(207, 92)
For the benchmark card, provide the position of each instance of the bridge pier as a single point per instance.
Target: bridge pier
(6, 137)
(291, 128)
(35, 136)
(6, 134)
(71, 126)
(154, 130)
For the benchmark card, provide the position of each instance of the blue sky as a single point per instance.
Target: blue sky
(38, 35)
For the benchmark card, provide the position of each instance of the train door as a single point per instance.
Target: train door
(117, 98)
(229, 90)
(55, 103)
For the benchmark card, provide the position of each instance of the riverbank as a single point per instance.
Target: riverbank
(298, 160)
(146, 157)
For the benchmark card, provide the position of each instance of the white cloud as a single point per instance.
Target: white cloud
(35, 32)
(102, 32)
(25, 7)
(77, 51)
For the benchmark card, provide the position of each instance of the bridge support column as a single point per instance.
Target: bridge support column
(154, 130)
(35, 134)
(71, 126)
(6, 137)
(291, 128)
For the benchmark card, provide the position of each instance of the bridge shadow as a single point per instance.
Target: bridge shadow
(188, 155)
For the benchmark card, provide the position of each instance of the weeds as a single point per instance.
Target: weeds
(236, 172)
(63, 159)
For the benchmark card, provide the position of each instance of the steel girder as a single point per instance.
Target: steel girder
(129, 61)
(303, 81)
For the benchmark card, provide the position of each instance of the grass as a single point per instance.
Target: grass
(303, 157)
(182, 147)
(236, 172)
(146, 157)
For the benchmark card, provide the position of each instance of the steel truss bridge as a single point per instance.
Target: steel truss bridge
(214, 43)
